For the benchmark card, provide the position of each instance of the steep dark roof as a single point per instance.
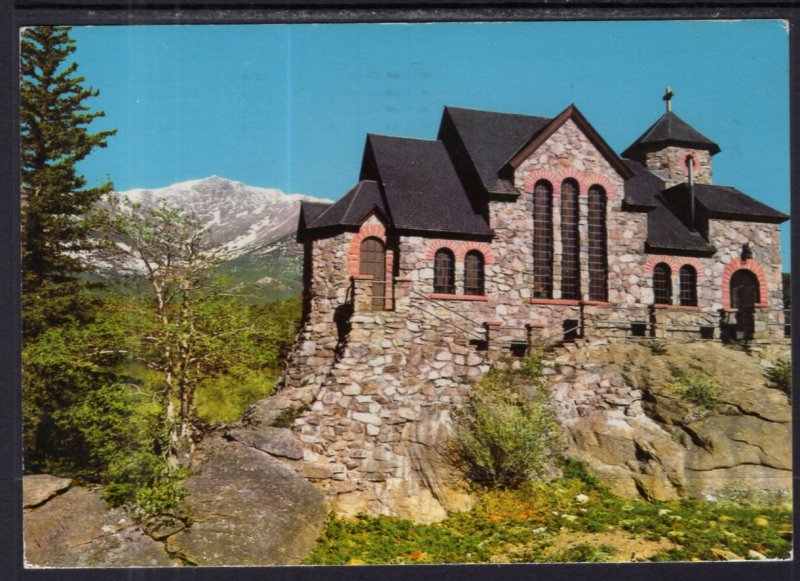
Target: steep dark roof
(420, 186)
(489, 139)
(724, 202)
(669, 129)
(665, 231)
(642, 188)
(352, 208)
(311, 210)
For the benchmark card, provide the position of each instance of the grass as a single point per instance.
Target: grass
(523, 525)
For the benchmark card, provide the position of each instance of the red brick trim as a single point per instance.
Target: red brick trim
(585, 181)
(555, 302)
(596, 303)
(460, 249)
(739, 264)
(354, 254)
(443, 297)
(354, 250)
(675, 263)
(493, 324)
(403, 279)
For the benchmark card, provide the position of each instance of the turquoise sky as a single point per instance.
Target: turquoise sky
(288, 106)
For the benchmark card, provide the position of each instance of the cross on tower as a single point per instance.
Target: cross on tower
(668, 99)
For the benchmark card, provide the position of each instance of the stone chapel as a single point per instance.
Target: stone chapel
(506, 232)
(527, 227)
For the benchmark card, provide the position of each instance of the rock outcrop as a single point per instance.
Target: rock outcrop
(622, 416)
(39, 488)
(78, 529)
(247, 508)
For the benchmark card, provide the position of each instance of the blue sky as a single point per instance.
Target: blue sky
(289, 106)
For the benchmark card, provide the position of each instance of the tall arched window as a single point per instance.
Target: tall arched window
(598, 259)
(373, 263)
(543, 240)
(444, 272)
(662, 284)
(744, 289)
(688, 286)
(473, 273)
(570, 245)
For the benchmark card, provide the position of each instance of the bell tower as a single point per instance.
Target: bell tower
(672, 148)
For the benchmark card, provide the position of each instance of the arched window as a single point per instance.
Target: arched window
(688, 286)
(543, 240)
(373, 262)
(473, 273)
(598, 259)
(662, 284)
(570, 245)
(744, 289)
(444, 272)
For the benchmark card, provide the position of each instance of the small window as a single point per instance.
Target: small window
(444, 272)
(473, 273)
(662, 284)
(688, 286)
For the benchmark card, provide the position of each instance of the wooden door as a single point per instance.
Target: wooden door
(373, 263)
(744, 296)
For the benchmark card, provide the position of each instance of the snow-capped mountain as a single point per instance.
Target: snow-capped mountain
(241, 218)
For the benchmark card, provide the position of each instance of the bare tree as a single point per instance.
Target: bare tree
(172, 252)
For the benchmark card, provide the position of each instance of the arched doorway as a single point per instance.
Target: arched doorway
(744, 296)
(373, 262)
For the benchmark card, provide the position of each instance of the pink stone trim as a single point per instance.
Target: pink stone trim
(739, 264)
(493, 324)
(596, 303)
(585, 181)
(555, 302)
(443, 297)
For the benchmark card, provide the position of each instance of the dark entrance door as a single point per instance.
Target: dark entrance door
(744, 296)
(373, 263)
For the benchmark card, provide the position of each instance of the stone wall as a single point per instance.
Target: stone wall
(670, 165)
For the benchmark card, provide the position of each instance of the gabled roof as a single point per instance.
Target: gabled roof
(485, 140)
(420, 186)
(669, 129)
(352, 208)
(577, 117)
(724, 202)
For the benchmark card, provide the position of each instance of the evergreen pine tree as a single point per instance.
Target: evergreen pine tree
(54, 138)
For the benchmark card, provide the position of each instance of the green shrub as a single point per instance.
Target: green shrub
(698, 387)
(143, 482)
(225, 398)
(577, 469)
(501, 438)
(779, 376)
(656, 347)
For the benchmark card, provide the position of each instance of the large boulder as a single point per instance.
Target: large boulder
(39, 488)
(78, 529)
(623, 416)
(247, 509)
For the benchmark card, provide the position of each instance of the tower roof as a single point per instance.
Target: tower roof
(669, 129)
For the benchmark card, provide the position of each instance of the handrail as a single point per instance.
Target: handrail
(468, 332)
